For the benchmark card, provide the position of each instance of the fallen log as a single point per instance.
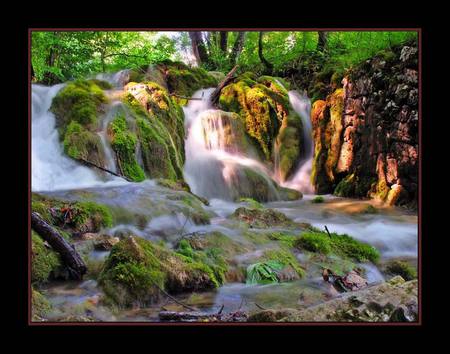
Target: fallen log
(70, 257)
(88, 163)
(216, 93)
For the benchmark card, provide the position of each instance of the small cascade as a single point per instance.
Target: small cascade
(214, 167)
(51, 168)
(302, 178)
(103, 133)
(117, 80)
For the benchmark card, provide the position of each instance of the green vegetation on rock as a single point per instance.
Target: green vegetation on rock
(342, 245)
(44, 261)
(401, 268)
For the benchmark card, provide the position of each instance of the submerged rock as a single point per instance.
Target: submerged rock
(261, 218)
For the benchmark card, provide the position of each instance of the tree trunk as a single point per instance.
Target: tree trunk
(223, 41)
(322, 41)
(216, 94)
(73, 261)
(237, 47)
(269, 66)
(198, 47)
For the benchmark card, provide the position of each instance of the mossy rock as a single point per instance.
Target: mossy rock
(339, 244)
(251, 203)
(45, 263)
(263, 106)
(261, 218)
(402, 268)
(161, 137)
(80, 101)
(137, 269)
(123, 142)
(184, 80)
(74, 217)
(80, 143)
(317, 199)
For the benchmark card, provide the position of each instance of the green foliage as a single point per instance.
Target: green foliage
(285, 257)
(40, 306)
(342, 245)
(285, 238)
(263, 272)
(318, 199)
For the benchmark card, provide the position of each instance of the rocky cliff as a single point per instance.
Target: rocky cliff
(366, 132)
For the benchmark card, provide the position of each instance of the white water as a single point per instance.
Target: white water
(51, 168)
(302, 178)
(117, 79)
(211, 167)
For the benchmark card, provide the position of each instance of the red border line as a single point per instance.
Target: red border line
(219, 324)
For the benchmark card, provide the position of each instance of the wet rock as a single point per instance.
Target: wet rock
(105, 242)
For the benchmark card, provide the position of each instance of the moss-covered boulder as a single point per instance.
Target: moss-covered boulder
(77, 108)
(402, 268)
(176, 77)
(261, 218)
(159, 129)
(263, 105)
(40, 306)
(136, 270)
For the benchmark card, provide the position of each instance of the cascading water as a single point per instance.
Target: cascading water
(302, 178)
(51, 168)
(213, 165)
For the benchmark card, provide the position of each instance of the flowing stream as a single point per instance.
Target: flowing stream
(212, 164)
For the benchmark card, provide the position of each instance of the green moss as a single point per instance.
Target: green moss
(341, 245)
(345, 187)
(318, 199)
(370, 209)
(76, 216)
(78, 101)
(285, 238)
(253, 204)
(184, 80)
(136, 269)
(40, 306)
(179, 185)
(286, 258)
(80, 143)
(401, 268)
(123, 143)
(44, 261)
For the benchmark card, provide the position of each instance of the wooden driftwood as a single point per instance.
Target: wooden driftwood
(216, 93)
(72, 260)
(88, 163)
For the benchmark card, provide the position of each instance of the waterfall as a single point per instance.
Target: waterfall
(214, 166)
(51, 168)
(302, 178)
(117, 80)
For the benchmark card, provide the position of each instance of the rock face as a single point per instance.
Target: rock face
(393, 301)
(366, 133)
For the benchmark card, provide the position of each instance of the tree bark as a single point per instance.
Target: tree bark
(269, 66)
(237, 47)
(198, 47)
(73, 261)
(223, 41)
(322, 41)
(216, 93)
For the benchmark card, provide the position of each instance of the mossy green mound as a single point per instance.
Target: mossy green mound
(263, 105)
(341, 245)
(40, 306)
(137, 269)
(45, 262)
